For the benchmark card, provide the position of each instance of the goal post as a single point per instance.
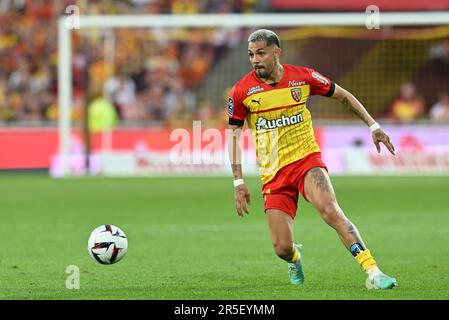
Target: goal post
(204, 21)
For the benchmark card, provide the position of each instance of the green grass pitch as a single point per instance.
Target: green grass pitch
(187, 242)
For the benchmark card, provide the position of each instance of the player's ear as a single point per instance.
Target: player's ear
(277, 52)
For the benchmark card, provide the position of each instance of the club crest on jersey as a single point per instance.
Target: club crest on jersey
(296, 94)
(265, 124)
(231, 106)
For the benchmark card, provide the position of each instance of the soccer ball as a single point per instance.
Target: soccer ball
(107, 244)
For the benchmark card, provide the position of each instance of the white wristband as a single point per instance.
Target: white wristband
(374, 127)
(238, 182)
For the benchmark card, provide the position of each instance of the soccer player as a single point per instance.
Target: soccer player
(272, 98)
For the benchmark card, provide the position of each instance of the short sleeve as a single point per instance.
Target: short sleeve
(236, 109)
(320, 85)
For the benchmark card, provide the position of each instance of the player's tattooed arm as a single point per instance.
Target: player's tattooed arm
(354, 105)
(359, 110)
(351, 106)
(241, 193)
(235, 153)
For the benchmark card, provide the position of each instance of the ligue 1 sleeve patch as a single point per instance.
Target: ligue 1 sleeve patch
(231, 107)
(320, 78)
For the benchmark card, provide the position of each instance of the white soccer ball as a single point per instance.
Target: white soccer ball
(107, 244)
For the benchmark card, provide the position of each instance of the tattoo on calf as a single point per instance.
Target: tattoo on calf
(352, 229)
(355, 233)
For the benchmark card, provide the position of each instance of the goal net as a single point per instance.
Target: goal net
(145, 95)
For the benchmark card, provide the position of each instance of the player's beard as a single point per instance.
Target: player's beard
(263, 73)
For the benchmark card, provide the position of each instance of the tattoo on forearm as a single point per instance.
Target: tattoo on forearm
(235, 169)
(357, 112)
(320, 180)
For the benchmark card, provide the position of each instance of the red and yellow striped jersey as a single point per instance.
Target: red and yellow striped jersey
(277, 115)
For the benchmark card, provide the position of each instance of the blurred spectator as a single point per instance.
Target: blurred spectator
(157, 72)
(121, 91)
(152, 104)
(179, 99)
(41, 79)
(198, 60)
(102, 115)
(20, 77)
(206, 114)
(185, 6)
(3, 89)
(440, 51)
(409, 106)
(6, 5)
(439, 112)
(205, 111)
(6, 110)
(33, 110)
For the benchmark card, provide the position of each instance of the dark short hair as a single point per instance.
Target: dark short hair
(265, 35)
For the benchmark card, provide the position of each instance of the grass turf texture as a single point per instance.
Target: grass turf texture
(187, 242)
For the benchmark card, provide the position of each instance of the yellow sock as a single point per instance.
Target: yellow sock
(366, 261)
(295, 257)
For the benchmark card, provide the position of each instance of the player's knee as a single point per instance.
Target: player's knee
(332, 214)
(283, 249)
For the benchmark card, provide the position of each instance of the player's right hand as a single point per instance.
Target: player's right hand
(380, 136)
(242, 198)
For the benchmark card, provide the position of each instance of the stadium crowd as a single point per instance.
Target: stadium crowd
(154, 76)
(155, 83)
(410, 106)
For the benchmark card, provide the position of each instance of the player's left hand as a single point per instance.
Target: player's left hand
(380, 136)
